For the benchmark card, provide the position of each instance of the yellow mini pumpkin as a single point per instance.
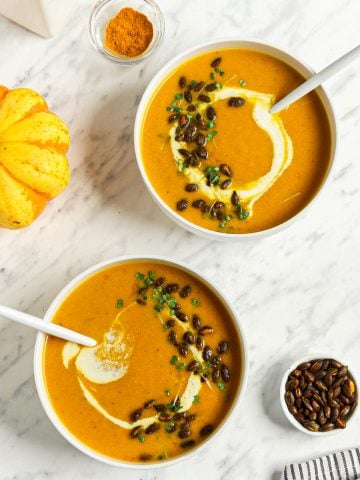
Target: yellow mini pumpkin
(33, 165)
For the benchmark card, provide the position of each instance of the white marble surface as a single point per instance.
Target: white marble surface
(296, 292)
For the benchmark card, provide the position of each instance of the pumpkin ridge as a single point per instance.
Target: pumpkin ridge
(23, 184)
(43, 175)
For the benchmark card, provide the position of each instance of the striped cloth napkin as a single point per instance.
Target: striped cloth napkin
(337, 466)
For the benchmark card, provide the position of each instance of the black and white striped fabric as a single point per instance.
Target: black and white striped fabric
(337, 466)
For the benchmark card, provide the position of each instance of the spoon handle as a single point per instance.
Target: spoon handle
(46, 327)
(317, 80)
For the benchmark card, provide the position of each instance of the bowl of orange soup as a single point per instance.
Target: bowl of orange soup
(213, 157)
(168, 370)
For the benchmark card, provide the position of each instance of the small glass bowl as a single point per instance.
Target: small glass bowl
(105, 10)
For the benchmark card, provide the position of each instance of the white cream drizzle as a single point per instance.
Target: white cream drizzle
(192, 388)
(249, 192)
(108, 362)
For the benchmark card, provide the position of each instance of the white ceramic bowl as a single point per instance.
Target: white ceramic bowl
(292, 419)
(38, 361)
(297, 64)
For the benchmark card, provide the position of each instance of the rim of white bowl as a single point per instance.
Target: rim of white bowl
(295, 62)
(292, 419)
(41, 337)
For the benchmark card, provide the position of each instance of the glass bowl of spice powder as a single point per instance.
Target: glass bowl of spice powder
(126, 32)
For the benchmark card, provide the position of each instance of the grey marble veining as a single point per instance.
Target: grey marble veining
(296, 292)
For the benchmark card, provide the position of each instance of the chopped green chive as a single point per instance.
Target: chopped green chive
(167, 392)
(119, 303)
(180, 366)
(174, 360)
(140, 276)
(242, 213)
(242, 83)
(223, 222)
(220, 72)
(218, 85)
(220, 386)
(211, 124)
(152, 276)
(193, 83)
(196, 399)
(212, 76)
(141, 438)
(211, 135)
(179, 95)
(196, 302)
(158, 308)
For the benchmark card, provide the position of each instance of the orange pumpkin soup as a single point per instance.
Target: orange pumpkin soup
(214, 153)
(164, 373)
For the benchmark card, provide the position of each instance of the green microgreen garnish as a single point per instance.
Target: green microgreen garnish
(141, 438)
(211, 135)
(158, 308)
(212, 76)
(139, 276)
(242, 83)
(196, 302)
(242, 213)
(119, 303)
(211, 124)
(169, 426)
(174, 360)
(196, 399)
(212, 174)
(152, 276)
(174, 109)
(148, 282)
(180, 366)
(176, 408)
(225, 220)
(179, 96)
(220, 386)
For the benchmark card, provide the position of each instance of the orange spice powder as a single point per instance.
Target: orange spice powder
(129, 33)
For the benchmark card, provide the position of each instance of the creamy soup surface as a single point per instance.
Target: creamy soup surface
(217, 157)
(164, 373)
